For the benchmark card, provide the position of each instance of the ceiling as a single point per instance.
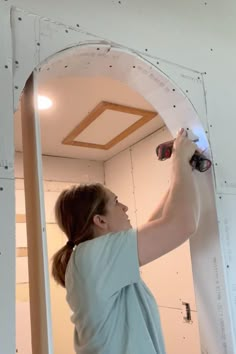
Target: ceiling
(76, 97)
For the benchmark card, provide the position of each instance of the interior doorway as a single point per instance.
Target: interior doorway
(77, 81)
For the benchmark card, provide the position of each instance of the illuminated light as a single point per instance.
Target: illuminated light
(44, 102)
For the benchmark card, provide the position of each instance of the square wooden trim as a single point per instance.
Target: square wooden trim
(96, 112)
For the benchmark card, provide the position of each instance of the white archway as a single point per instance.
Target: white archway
(100, 59)
(176, 110)
(44, 39)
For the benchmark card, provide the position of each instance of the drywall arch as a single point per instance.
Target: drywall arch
(103, 59)
(91, 59)
(41, 44)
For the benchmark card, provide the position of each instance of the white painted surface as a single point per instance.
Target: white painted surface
(116, 122)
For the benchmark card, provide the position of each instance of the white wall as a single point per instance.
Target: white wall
(59, 173)
(140, 180)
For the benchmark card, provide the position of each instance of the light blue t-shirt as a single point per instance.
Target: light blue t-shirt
(113, 310)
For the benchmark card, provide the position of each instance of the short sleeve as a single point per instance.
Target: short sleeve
(110, 262)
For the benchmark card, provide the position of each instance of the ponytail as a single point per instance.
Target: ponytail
(74, 211)
(60, 261)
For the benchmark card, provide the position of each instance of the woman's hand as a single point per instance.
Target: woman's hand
(183, 148)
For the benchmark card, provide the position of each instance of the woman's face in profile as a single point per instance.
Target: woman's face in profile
(116, 217)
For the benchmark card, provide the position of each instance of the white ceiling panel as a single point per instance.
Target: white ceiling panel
(108, 125)
(73, 99)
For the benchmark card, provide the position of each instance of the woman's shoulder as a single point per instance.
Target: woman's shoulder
(102, 245)
(103, 239)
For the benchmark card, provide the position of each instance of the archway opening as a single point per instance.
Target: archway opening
(78, 80)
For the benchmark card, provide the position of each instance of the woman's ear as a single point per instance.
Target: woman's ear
(100, 221)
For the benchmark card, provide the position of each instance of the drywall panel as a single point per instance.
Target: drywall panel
(210, 283)
(22, 274)
(62, 326)
(190, 83)
(140, 181)
(221, 118)
(7, 266)
(175, 24)
(65, 170)
(19, 65)
(59, 169)
(170, 277)
(23, 339)
(37, 41)
(6, 121)
(196, 35)
(197, 86)
(22, 293)
(72, 170)
(21, 235)
(181, 337)
(200, 48)
(151, 176)
(58, 174)
(119, 179)
(206, 254)
(227, 225)
(20, 201)
(94, 57)
(7, 198)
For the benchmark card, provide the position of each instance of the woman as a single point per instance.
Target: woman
(113, 310)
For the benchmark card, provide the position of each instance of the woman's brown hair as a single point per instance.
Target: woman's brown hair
(74, 212)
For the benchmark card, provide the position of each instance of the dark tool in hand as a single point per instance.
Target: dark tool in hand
(198, 161)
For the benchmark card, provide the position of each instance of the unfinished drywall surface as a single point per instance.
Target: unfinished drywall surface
(62, 327)
(59, 173)
(140, 180)
(59, 169)
(197, 35)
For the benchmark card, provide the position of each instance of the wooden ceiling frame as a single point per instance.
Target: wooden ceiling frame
(146, 116)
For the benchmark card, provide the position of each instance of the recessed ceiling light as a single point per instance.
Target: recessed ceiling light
(44, 102)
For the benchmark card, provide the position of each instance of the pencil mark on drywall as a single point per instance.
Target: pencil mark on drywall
(219, 304)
